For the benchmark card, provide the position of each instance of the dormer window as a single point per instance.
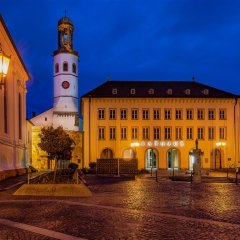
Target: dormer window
(151, 91)
(114, 91)
(205, 91)
(133, 91)
(169, 91)
(65, 67)
(187, 91)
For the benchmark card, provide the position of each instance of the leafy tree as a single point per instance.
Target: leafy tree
(57, 143)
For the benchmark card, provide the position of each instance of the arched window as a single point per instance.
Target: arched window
(107, 153)
(56, 68)
(74, 68)
(65, 67)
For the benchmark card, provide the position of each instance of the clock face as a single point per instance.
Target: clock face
(65, 84)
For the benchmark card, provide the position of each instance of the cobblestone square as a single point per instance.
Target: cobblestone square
(126, 208)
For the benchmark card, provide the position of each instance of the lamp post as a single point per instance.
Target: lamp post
(4, 64)
(220, 144)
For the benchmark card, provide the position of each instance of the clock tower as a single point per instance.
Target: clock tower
(65, 72)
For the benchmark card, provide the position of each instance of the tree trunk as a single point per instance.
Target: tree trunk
(55, 171)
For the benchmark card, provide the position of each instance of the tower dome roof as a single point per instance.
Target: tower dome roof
(65, 20)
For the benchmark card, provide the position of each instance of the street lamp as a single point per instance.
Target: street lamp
(220, 144)
(4, 64)
(135, 145)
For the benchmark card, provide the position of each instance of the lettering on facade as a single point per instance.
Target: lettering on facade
(162, 143)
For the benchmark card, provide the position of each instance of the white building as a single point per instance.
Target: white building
(65, 108)
(13, 125)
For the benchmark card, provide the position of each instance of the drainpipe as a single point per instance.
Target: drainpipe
(89, 126)
(235, 140)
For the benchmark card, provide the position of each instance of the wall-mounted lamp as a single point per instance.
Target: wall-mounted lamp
(4, 64)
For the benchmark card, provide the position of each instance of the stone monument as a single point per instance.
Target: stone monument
(197, 153)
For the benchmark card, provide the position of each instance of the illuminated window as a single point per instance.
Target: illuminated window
(222, 114)
(189, 114)
(101, 133)
(101, 113)
(169, 91)
(200, 114)
(167, 114)
(189, 133)
(211, 114)
(200, 133)
(145, 114)
(65, 67)
(145, 133)
(112, 133)
(56, 68)
(178, 133)
(205, 91)
(112, 114)
(178, 114)
(74, 68)
(156, 114)
(123, 114)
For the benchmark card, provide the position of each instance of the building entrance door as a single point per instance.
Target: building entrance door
(151, 158)
(173, 158)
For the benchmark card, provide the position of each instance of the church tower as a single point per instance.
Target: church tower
(65, 108)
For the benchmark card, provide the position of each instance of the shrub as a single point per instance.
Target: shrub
(92, 165)
(73, 166)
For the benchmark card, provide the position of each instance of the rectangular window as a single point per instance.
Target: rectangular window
(200, 133)
(200, 114)
(222, 133)
(134, 133)
(178, 114)
(20, 116)
(123, 114)
(178, 133)
(145, 133)
(145, 114)
(211, 133)
(101, 133)
(156, 114)
(112, 133)
(189, 133)
(222, 114)
(167, 114)
(211, 114)
(189, 114)
(123, 133)
(156, 133)
(112, 114)
(134, 114)
(5, 110)
(101, 113)
(167, 133)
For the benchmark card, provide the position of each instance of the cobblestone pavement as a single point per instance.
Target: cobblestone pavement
(130, 209)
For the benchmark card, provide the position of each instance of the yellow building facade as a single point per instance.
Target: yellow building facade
(13, 124)
(158, 123)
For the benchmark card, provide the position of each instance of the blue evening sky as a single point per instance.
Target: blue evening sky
(128, 40)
